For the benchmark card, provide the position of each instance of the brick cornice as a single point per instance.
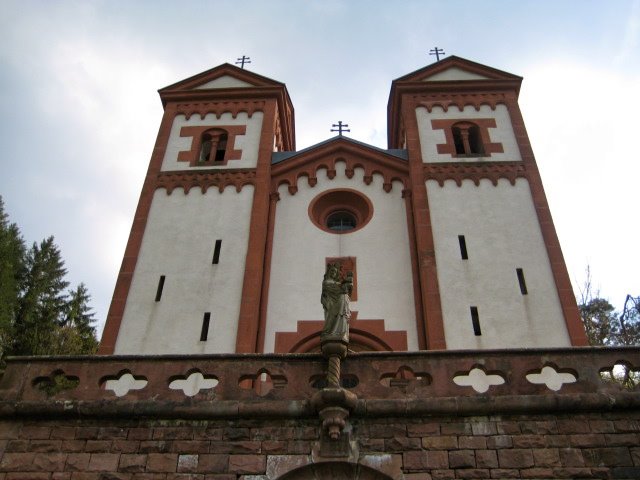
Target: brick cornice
(218, 108)
(204, 179)
(476, 100)
(459, 171)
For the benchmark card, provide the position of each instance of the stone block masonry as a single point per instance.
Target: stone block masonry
(63, 418)
(594, 445)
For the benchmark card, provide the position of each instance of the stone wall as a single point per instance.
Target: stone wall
(531, 414)
(597, 445)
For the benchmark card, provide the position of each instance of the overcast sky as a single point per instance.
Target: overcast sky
(80, 110)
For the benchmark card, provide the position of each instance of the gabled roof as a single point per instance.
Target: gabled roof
(278, 157)
(288, 167)
(450, 76)
(475, 71)
(226, 70)
(227, 82)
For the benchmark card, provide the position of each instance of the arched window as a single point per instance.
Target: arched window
(213, 146)
(467, 139)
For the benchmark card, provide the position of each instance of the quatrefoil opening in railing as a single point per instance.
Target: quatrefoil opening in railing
(478, 379)
(262, 382)
(193, 383)
(56, 382)
(622, 374)
(405, 377)
(123, 383)
(552, 377)
(319, 381)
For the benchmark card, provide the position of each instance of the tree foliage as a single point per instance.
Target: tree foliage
(38, 316)
(603, 324)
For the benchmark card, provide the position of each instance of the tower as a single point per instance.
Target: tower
(447, 231)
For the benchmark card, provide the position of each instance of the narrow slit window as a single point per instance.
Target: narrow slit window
(523, 284)
(475, 321)
(204, 333)
(160, 287)
(463, 247)
(216, 252)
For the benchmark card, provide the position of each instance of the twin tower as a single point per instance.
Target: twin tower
(448, 231)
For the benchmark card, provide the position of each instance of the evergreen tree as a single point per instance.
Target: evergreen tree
(12, 272)
(43, 302)
(77, 335)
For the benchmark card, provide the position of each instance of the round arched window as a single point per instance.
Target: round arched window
(340, 211)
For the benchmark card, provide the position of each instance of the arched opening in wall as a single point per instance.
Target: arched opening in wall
(359, 341)
(467, 139)
(335, 471)
(213, 146)
(340, 211)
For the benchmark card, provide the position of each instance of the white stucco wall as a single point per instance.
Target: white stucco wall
(502, 233)
(179, 242)
(381, 248)
(453, 74)
(225, 81)
(249, 143)
(503, 133)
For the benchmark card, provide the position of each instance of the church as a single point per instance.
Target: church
(466, 357)
(447, 231)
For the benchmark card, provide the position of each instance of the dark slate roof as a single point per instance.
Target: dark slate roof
(277, 157)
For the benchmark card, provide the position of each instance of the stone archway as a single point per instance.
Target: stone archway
(335, 471)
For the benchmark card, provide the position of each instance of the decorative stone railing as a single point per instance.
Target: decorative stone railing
(407, 383)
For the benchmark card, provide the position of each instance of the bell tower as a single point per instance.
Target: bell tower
(192, 272)
(491, 271)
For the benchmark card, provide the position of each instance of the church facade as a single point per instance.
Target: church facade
(456, 272)
(447, 231)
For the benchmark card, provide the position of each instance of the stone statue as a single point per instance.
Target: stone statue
(335, 301)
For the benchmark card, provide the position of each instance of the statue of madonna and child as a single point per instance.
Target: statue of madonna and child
(335, 301)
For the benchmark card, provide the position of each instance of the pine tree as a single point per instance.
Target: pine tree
(76, 335)
(12, 272)
(42, 305)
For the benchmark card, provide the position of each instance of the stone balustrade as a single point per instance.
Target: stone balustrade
(282, 385)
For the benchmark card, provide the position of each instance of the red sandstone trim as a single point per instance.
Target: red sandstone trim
(484, 124)
(415, 273)
(336, 199)
(566, 296)
(306, 164)
(204, 179)
(125, 276)
(367, 335)
(266, 278)
(474, 171)
(219, 108)
(428, 274)
(191, 156)
(249, 319)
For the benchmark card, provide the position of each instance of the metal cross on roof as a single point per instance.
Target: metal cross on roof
(437, 52)
(242, 60)
(340, 127)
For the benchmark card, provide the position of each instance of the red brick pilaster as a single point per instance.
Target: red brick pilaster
(425, 249)
(252, 287)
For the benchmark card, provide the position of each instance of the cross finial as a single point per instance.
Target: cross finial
(242, 60)
(437, 52)
(340, 127)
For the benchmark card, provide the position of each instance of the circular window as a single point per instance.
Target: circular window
(340, 211)
(341, 221)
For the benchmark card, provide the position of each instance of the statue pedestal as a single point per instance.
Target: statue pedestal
(334, 403)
